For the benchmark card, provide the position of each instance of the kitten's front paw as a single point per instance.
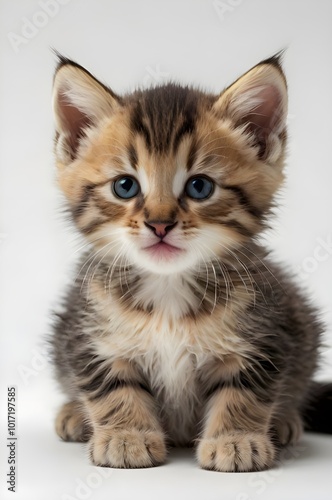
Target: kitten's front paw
(128, 448)
(236, 452)
(70, 424)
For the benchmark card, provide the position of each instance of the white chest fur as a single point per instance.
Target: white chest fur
(172, 295)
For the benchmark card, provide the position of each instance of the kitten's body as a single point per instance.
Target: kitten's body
(199, 336)
(182, 357)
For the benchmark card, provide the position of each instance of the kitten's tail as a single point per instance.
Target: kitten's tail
(317, 415)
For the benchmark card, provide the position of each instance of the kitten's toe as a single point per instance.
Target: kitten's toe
(70, 424)
(128, 448)
(236, 452)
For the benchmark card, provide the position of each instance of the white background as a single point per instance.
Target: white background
(127, 43)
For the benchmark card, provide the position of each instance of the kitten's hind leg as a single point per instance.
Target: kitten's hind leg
(288, 427)
(71, 424)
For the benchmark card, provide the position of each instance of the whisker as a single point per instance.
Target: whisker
(225, 275)
(108, 246)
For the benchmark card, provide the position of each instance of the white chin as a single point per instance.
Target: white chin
(163, 264)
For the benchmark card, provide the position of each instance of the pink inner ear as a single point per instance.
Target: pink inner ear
(74, 122)
(267, 114)
(264, 117)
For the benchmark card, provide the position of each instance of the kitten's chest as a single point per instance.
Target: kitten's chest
(166, 321)
(168, 346)
(171, 360)
(168, 351)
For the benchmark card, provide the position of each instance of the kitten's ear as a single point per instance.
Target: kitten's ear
(79, 101)
(257, 102)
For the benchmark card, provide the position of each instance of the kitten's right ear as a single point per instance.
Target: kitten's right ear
(79, 101)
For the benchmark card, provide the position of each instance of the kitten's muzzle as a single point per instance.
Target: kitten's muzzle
(160, 228)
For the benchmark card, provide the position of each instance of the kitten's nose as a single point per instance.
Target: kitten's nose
(160, 228)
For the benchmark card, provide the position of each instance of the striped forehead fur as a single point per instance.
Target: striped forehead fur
(165, 114)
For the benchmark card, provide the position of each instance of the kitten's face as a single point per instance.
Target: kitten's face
(169, 178)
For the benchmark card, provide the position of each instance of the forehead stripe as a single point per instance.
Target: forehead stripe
(187, 127)
(132, 155)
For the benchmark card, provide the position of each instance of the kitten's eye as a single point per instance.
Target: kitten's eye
(126, 187)
(199, 188)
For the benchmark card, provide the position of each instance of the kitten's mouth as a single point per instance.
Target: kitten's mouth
(163, 250)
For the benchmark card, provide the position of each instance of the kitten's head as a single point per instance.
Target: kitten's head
(169, 177)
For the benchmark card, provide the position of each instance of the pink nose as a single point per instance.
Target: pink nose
(160, 228)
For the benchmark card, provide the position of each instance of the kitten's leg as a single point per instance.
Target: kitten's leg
(126, 430)
(236, 432)
(288, 426)
(123, 415)
(71, 424)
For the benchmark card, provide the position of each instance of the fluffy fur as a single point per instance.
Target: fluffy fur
(199, 339)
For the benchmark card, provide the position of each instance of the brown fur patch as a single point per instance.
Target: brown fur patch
(236, 409)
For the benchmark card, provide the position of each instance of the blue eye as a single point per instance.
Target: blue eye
(126, 187)
(199, 188)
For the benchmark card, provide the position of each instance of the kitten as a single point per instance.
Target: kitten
(179, 329)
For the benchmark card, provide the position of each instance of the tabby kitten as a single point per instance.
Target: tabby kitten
(178, 329)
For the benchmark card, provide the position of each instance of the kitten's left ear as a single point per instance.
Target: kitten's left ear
(257, 102)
